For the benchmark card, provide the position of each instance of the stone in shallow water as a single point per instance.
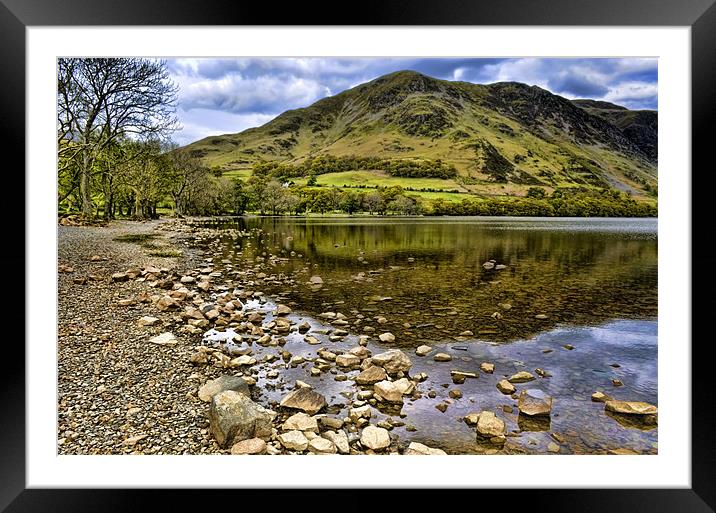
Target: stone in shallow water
(521, 377)
(416, 448)
(534, 402)
(387, 391)
(375, 438)
(600, 397)
(371, 376)
(393, 361)
(506, 387)
(387, 337)
(304, 399)
(631, 407)
(442, 357)
(490, 426)
(423, 350)
(488, 368)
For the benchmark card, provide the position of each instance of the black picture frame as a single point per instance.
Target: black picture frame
(700, 15)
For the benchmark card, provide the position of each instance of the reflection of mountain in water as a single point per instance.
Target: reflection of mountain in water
(574, 271)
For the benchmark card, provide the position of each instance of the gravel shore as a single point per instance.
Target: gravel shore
(117, 393)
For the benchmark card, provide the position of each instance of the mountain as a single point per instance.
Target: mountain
(639, 126)
(502, 138)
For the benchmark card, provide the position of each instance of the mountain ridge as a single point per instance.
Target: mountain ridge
(502, 133)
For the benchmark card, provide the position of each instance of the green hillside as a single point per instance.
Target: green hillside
(500, 138)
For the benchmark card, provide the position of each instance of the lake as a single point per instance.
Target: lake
(511, 291)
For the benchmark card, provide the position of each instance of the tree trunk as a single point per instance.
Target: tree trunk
(85, 192)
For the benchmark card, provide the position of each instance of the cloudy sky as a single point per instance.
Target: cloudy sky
(219, 96)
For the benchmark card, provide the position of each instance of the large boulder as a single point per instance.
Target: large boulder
(534, 402)
(630, 407)
(304, 399)
(393, 361)
(221, 384)
(234, 417)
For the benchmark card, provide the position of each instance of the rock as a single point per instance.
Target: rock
(316, 280)
(304, 399)
(623, 451)
(347, 360)
(466, 333)
(471, 418)
(300, 422)
(387, 391)
(463, 374)
(455, 393)
(249, 446)
(442, 407)
(393, 361)
(442, 357)
(405, 386)
(375, 438)
(361, 352)
(387, 337)
(521, 377)
(490, 426)
(165, 339)
(423, 350)
(330, 422)
(321, 445)
(416, 448)
(117, 277)
(488, 265)
(631, 407)
(234, 417)
(569, 347)
(534, 402)
(617, 382)
(488, 368)
(371, 376)
(362, 412)
(311, 340)
(541, 317)
(244, 359)
(340, 440)
(293, 440)
(282, 310)
(187, 279)
(543, 373)
(304, 327)
(506, 387)
(221, 384)
(599, 397)
(553, 447)
(148, 321)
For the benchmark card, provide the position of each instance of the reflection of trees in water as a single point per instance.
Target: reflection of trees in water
(574, 277)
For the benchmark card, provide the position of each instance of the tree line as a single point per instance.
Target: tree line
(323, 164)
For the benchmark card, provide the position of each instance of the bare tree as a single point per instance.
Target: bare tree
(100, 100)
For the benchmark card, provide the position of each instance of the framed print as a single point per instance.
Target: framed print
(428, 231)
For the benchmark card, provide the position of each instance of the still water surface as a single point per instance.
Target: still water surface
(590, 283)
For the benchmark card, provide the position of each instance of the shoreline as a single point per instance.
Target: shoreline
(139, 397)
